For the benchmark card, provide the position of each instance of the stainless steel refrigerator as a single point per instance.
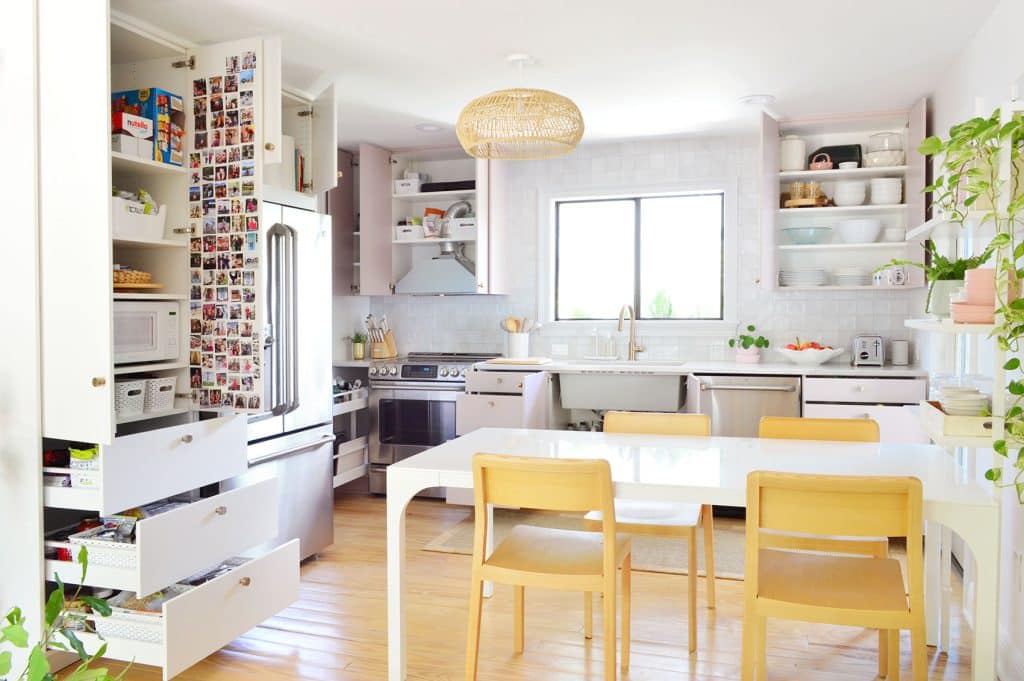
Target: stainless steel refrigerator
(293, 440)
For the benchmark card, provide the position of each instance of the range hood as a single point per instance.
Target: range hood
(449, 272)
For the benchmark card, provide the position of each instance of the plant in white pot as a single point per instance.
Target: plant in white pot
(748, 347)
(944, 275)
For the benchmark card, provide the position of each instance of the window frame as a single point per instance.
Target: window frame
(547, 262)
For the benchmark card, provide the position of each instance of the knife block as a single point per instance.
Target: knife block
(384, 350)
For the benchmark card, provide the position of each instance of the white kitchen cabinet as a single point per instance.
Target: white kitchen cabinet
(892, 402)
(897, 423)
(308, 128)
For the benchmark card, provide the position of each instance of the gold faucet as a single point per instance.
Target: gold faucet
(634, 347)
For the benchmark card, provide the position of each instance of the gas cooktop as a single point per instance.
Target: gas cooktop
(433, 367)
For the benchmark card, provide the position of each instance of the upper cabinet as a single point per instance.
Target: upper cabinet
(827, 226)
(426, 224)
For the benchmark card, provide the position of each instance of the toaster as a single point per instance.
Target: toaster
(868, 351)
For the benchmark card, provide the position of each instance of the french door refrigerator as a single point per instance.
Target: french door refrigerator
(293, 439)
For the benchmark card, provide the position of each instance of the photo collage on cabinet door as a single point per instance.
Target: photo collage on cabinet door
(224, 339)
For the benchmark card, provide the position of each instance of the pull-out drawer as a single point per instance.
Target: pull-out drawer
(895, 423)
(204, 619)
(865, 390)
(488, 411)
(508, 382)
(136, 469)
(173, 545)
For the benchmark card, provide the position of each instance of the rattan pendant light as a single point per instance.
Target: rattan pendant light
(520, 123)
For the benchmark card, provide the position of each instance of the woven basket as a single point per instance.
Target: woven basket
(160, 393)
(132, 277)
(129, 397)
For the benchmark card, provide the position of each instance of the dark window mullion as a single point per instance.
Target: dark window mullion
(636, 258)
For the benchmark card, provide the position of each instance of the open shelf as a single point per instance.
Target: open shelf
(840, 174)
(947, 326)
(428, 242)
(949, 441)
(142, 166)
(847, 288)
(146, 243)
(148, 367)
(426, 196)
(149, 296)
(181, 407)
(873, 246)
(839, 210)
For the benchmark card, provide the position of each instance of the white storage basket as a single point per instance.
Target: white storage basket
(85, 479)
(103, 552)
(128, 221)
(129, 397)
(160, 393)
(134, 624)
(410, 186)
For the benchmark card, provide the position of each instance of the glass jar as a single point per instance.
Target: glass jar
(885, 141)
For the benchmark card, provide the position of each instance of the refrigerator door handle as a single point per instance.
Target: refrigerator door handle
(278, 292)
(292, 281)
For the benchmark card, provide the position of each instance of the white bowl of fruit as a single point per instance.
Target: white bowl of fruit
(809, 353)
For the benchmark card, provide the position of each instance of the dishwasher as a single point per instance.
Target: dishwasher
(736, 403)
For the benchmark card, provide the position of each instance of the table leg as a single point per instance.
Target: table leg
(932, 581)
(400, 492)
(984, 544)
(947, 589)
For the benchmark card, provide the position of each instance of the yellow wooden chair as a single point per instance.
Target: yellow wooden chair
(550, 558)
(663, 519)
(842, 430)
(844, 590)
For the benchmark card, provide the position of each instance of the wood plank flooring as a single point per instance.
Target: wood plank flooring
(337, 631)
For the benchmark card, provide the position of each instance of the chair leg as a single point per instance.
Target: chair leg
(473, 633)
(919, 652)
(691, 574)
(761, 657)
(883, 653)
(588, 614)
(709, 552)
(627, 580)
(517, 618)
(894, 655)
(608, 622)
(749, 641)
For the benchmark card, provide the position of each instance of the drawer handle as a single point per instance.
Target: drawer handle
(269, 146)
(99, 382)
(245, 581)
(490, 403)
(221, 510)
(858, 388)
(500, 381)
(186, 438)
(519, 387)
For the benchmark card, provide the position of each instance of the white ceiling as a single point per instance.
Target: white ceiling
(645, 67)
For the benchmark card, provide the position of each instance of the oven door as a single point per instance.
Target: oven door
(412, 419)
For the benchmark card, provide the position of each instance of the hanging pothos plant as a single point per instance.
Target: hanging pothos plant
(969, 186)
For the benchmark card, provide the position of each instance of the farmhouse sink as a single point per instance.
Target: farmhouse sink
(626, 386)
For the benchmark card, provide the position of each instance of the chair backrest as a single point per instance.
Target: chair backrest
(830, 505)
(802, 428)
(657, 423)
(543, 484)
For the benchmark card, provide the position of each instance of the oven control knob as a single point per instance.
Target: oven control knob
(393, 371)
(463, 374)
(373, 371)
(444, 372)
(453, 371)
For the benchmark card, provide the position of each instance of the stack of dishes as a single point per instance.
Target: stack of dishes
(958, 401)
(886, 191)
(803, 277)
(850, 192)
(851, 276)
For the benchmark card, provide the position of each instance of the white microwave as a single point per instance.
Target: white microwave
(145, 331)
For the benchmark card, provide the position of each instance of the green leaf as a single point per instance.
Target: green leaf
(1015, 388)
(998, 241)
(1000, 447)
(1012, 363)
(750, 327)
(83, 560)
(994, 474)
(98, 605)
(86, 674)
(1014, 412)
(16, 634)
(732, 342)
(54, 604)
(76, 644)
(5, 663)
(38, 666)
(930, 146)
(14, 616)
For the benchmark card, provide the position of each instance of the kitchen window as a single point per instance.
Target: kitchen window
(663, 254)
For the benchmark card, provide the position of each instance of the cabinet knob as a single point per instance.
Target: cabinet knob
(858, 388)
(186, 438)
(221, 510)
(269, 146)
(500, 381)
(245, 581)
(490, 403)
(98, 382)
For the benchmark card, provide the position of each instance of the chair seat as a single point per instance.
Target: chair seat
(556, 552)
(636, 516)
(831, 581)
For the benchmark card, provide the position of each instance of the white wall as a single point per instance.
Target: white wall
(978, 81)
(471, 323)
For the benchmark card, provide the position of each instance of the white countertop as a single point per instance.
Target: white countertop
(668, 367)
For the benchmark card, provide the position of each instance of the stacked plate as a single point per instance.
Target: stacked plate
(964, 401)
(851, 276)
(804, 277)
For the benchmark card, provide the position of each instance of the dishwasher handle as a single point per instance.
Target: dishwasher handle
(753, 388)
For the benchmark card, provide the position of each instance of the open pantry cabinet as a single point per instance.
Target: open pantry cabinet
(393, 251)
(780, 251)
(161, 462)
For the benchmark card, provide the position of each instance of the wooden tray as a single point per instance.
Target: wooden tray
(136, 287)
(806, 203)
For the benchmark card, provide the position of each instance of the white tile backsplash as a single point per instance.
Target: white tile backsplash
(470, 323)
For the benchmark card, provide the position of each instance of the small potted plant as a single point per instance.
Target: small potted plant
(944, 275)
(358, 346)
(748, 347)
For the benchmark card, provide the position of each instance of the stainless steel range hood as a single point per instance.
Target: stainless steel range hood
(448, 272)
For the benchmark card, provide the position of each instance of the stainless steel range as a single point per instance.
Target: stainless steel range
(412, 407)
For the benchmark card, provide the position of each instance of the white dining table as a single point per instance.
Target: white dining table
(710, 470)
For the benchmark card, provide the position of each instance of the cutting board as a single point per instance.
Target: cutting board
(520, 361)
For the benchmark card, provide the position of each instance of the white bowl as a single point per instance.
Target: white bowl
(850, 193)
(848, 165)
(894, 234)
(859, 230)
(810, 357)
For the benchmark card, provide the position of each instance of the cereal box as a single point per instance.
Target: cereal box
(167, 113)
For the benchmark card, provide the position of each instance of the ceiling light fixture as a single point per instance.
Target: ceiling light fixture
(428, 127)
(758, 100)
(520, 123)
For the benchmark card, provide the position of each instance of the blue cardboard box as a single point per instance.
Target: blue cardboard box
(166, 110)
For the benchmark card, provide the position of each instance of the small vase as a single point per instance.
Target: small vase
(751, 355)
(358, 351)
(938, 296)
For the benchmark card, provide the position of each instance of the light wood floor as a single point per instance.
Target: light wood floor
(337, 630)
